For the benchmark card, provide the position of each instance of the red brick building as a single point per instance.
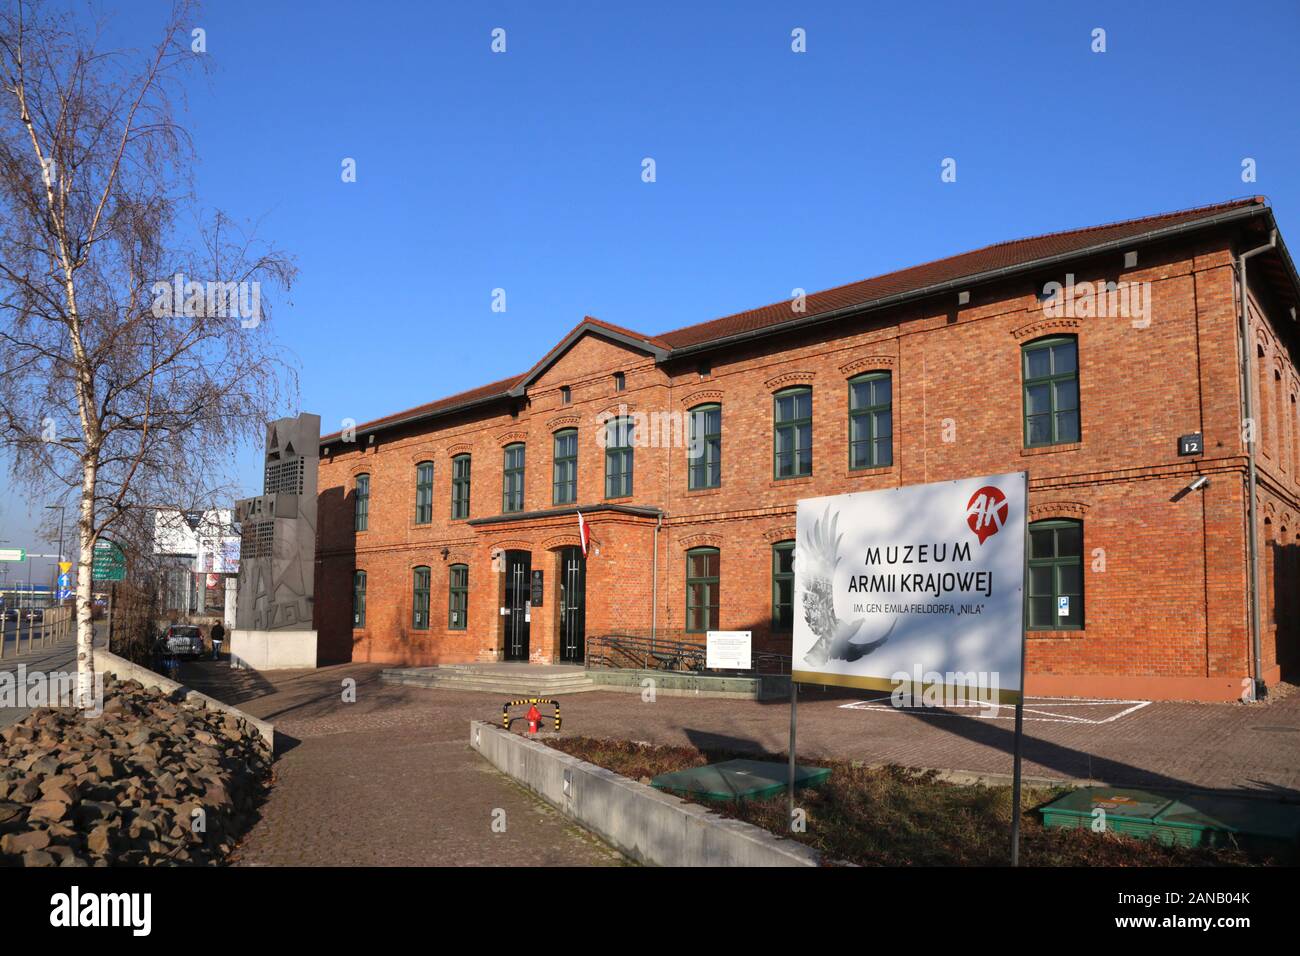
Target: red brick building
(434, 521)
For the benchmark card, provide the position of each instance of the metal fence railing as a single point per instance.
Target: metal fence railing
(643, 652)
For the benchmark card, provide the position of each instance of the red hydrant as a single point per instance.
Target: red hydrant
(534, 718)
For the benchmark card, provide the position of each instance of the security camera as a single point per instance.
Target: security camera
(1201, 482)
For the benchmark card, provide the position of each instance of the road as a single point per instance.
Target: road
(50, 658)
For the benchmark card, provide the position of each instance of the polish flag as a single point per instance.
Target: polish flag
(584, 533)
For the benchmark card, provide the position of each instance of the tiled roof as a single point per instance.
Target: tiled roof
(1003, 255)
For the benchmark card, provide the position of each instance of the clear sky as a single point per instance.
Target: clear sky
(775, 170)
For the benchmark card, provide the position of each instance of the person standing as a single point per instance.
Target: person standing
(218, 635)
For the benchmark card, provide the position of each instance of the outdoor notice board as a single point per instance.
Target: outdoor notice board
(728, 650)
(920, 585)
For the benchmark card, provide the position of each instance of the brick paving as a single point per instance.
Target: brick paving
(390, 778)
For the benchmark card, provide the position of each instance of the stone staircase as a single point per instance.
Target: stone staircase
(511, 680)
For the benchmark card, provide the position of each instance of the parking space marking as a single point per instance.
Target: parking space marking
(1041, 709)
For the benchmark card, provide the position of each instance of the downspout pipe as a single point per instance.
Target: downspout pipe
(654, 582)
(1248, 400)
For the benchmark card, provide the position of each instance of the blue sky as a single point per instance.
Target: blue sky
(775, 170)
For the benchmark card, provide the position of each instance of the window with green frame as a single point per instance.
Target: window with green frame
(704, 449)
(460, 486)
(565, 476)
(1055, 597)
(363, 502)
(358, 598)
(1051, 406)
(620, 435)
(783, 586)
(702, 590)
(424, 492)
(458, 597)
(512, 492)
(871, 421)
(792, 417)
(420, 599)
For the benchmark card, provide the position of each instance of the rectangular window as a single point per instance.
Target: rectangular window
(620, 381)
(702, 590)
(1055, 599)
(458, 597)
(1051, 373)
(424, 492)
(566, 395)
(363, 502)
(619, 439)
(460, 486)
(704, 451)
(359, 599)
(793, 423)
(565, 483)
(512, 494)
(783, 587)
(871, 421)
(420, 599)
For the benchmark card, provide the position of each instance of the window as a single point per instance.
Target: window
(620, 381)
(512, 493)
(460, 486)
(424, 492)
(458, 597)
(793, 417)
(871, 421)
(565, 480)
(783, 586)
(619, 438)
(704, 451)
(420, 599)
(566, 395)
(358, 598)
(701, 590)
(363, 502)
(1051, 370)
(1055, 575)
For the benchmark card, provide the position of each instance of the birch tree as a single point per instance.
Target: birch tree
(135, 346)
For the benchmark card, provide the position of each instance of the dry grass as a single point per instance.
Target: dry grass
(894, 816)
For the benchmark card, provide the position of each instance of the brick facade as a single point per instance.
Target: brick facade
(1166, 612)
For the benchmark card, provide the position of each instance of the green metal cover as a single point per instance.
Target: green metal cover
(734, 780)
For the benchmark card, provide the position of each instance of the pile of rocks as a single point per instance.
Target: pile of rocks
(151, 781)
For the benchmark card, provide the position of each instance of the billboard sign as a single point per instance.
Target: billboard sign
(916, 590)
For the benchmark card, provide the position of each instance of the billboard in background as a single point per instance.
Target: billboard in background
(921, 586)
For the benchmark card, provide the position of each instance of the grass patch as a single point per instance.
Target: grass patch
(896, 816)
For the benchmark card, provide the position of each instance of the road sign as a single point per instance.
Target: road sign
(109, 562)
(65, 567)
(13, 554)
(65, 587)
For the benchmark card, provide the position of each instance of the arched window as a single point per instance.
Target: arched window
(420, 599)
(871, 421)
(565, 476)
(458, 597)
(783, 586)
(702, 578)
(362, 502)
(460, 486)
(358, 598)
(512, 478)
(424, 492)
(792, 423)
(704, 448)
(1051, 377)
(620, 436)
(1055, 600)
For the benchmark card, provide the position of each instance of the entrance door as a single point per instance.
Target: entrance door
(518, 610)
(573, 612)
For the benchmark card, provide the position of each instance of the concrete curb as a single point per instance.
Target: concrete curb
(645, 824)
(125, 670)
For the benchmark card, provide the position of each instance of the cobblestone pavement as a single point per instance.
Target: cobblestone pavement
(385, 781)
(390, 778)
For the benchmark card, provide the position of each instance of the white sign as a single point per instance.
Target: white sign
(921, 586)
(728, 650)
(13, 554)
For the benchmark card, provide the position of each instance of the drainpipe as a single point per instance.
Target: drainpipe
(1247, 390)
(654, 581)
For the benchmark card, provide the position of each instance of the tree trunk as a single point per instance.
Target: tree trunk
(85, 570)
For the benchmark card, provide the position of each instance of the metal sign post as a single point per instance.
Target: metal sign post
(1020, 702)
(794, 701)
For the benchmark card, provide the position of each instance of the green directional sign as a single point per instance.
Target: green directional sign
(109, 562)
(13, 554)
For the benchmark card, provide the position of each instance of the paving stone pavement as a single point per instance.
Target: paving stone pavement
(390, 779)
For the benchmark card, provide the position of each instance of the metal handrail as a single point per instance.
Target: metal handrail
(618, 651)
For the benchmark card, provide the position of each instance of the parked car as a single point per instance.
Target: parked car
(35, 615)
(183, 640)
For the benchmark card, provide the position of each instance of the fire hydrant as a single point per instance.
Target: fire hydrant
(534, 717)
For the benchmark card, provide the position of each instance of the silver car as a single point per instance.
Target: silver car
(183, 640)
